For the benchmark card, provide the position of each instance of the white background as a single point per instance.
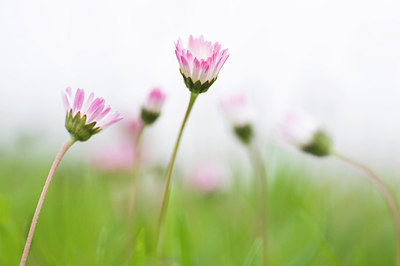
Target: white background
(339, 60)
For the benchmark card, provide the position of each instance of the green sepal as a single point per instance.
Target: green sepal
(321, 145)
(197, 87)
(245, 133)
(78, 128)
(148, 117)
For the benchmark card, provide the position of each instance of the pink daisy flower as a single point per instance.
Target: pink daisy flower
(86, 117)
(117, 157)
(151, 109)
(237, 110)
(200, 63)
(298, 128)
(301, 130)
(208, 177)
(120, 155)
(240, 115)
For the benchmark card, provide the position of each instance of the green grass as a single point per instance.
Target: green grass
(316, 217)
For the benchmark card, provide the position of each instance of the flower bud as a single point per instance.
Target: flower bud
(302, 131)
(152, 107)
(244, 133)
(241, 117)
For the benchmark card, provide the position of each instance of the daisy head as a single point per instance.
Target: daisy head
(241, 115)
(151, 109)
(200, 62)
(303, 131)
(86, 117)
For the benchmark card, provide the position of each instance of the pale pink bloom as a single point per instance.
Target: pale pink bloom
(120, 154)
(238, 110)
(209, 177)
(155, 101)
(118, 157)
(93, 108)
(202, 60)
(299, 128)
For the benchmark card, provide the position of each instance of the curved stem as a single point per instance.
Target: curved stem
(164, 203)
(387, 195)
(261, 189)
(53, 168)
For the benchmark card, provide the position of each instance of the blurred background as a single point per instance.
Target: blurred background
(338, 60)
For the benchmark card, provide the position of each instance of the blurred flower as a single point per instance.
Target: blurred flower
(240, 115)
(86, 117)
(120, 155)
(200, 63)
(208, 177)
(237, 110)
(301, 130)
(151, 109)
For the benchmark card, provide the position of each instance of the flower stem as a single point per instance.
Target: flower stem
(261, 189)
(56, 162)
(387, 195)
(164, 203)
(135, 172)
(134, 185)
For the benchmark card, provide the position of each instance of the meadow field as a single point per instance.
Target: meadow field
(318, 214)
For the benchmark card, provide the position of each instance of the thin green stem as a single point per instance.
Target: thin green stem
(135, 172)
(261, 189)
(164, 203)
(387, 195)
(134, 185)
(53, 169)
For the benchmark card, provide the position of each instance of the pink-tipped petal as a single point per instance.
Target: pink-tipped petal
(87, 103)
(104, 113)
(111, 119)
(66, 102)
(96, 112)
(154, 101)
(202, 61)
(79, 98)
(68, 90)
(93, 108)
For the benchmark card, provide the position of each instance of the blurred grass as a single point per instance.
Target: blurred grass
(315, 218)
